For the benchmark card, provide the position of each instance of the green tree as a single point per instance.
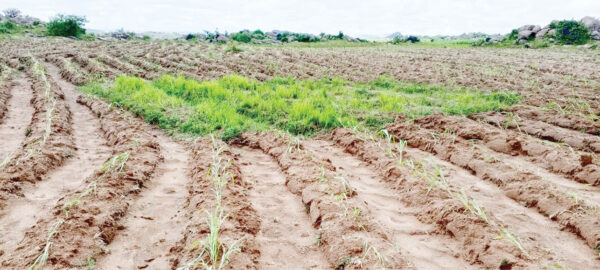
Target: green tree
(571, 32)
(66, 26)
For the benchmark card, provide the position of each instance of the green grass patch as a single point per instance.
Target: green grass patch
(233, 104)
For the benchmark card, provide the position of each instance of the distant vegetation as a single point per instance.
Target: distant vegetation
(234, 104)
(66, 26)
(571, 32)
(273, 37)
(408, 39)
(566, 32)
(13, 22)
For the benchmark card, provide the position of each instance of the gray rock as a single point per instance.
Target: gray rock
(591, 23)
(596, 35)
(222, 38)
(525, 34)
(542, 33)
(496, 39)
(552, 32)
(528, 27)
(536, 29)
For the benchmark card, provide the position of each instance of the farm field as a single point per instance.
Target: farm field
(186, 155)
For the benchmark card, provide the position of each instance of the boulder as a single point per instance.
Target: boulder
(494, 40)
(596, 35)
(525, 34)
(528, 27)
(541, 33)
(552, 32)
(222, 39)
(591, 23)
(536, 29)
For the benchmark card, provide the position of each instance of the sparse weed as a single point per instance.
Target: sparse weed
(368, 249)
(117, 162)
(41, 259)
(215, 254)
(513, 239)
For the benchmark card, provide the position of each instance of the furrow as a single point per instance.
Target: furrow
(422, 244)
(85, 221)
(577, 140)
(581, 167)
(37, 201)
(154, 222)
(48, 139)
(348, 236)
(217, 184)
(286, 238)
(574, 215)
(535, 231)
(557, 118)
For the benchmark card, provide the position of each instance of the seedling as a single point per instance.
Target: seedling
(513, 239)
(41, 259)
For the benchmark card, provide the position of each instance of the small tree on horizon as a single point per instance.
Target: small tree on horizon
(67, 26)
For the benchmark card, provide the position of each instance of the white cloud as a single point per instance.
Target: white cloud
(354, 17)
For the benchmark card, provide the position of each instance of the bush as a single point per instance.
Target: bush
(514, 34)
(571, 32)
(241, 37)
(400, 39)
(306, 38)
(188, 37)
(66, 26)
(8, 25)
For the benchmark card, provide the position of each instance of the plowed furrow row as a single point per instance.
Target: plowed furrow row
(90, 152)
(174, 67)
(151, 70)
(420, 242)
(535, 231)
(68, 70)
(348, 235)
(48, 139)
(423, 185)
(83, 222)
(91, 66)
(529, 189)
(5, 91)
(573, 122)
(575, 139)
(17, 118)
(286, 238)
(118, 65)
(577, 166)
(154, 222)
(214, 167)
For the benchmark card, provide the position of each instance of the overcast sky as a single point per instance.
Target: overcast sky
(354, 17)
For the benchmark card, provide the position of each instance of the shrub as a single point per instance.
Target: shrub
(241, 37)
(188, 37)
(400, 39)
(571, 32)
(306, 38)
(514, 34)
(146, 37)
(66, 26)
(413, 39)
(7, 25)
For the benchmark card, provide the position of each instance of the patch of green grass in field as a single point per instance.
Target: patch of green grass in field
(234, 104)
